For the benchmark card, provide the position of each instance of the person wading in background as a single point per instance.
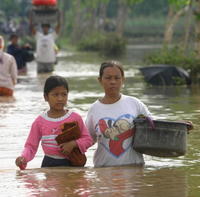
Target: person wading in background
(8, 71)
(22, 54)
(45, 46)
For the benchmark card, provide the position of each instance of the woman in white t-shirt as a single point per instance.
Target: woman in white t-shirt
(110, 120)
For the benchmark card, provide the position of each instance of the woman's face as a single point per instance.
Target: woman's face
(112, 81)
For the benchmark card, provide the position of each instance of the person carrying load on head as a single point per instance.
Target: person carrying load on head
(45, 45)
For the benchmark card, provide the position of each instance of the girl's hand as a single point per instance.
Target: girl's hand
(67, 147)
(21, 162)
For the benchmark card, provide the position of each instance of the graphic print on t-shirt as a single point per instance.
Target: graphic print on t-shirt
(117, 131)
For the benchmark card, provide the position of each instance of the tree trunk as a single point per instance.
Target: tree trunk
(168, 28)
(62, 7)
(172, 19)
(188, 26)
(121, 17)
(102, 17)
(197, 28)
(77, 21)
(92, 20)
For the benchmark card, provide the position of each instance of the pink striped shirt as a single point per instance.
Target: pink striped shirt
(45, 129)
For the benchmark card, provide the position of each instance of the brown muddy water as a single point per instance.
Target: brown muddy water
(161, 177)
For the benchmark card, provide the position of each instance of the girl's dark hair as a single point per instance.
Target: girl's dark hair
(53, 82)
(111, 63)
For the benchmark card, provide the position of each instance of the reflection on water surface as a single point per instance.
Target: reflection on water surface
(110, 181)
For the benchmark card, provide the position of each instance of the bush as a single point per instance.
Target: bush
(177, 57)
(113, 45)
(91, 42)
(108, 44)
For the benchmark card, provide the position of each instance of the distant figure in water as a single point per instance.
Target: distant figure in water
(45, 46)
(47, 127)
(22, 54)
(8, 71)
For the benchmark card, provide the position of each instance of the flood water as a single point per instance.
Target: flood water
(161, 177)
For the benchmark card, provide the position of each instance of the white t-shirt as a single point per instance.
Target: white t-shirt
(8, 70)
(111, 125)
(45, 47)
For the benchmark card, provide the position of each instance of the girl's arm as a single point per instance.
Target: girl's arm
(32, 142)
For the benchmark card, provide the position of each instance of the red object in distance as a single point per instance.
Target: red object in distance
(44, 2)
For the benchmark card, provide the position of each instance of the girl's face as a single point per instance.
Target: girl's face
(112, 81)
(57, 98)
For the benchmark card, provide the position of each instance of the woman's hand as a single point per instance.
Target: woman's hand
(67, 147)
(189, 125)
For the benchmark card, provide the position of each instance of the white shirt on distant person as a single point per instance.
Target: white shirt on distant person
(112, 126)
(45, 47)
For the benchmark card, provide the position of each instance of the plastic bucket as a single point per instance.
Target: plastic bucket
(44, 16)
(167, 139)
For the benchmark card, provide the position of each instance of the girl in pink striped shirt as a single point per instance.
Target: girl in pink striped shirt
(46, 128)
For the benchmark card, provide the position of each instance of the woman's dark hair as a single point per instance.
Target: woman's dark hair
(53, 82)
(111, 63)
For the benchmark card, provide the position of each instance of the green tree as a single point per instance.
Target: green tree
(176, 9)
(9, 7)
(124, 7)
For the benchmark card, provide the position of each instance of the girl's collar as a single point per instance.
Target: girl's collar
(46, 117)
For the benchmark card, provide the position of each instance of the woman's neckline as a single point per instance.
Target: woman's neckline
(111, 101)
